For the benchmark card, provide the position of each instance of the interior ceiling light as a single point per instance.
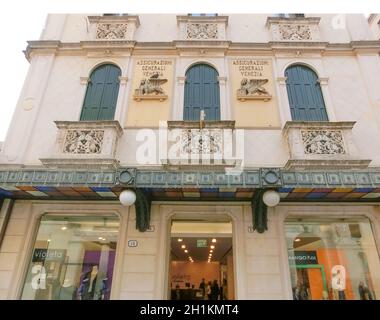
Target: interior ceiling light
(297, 239)
(180, 240)
(212, 247)
(186, 251)
(213, 240)
(183, 246)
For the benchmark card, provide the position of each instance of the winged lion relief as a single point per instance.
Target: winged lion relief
(253, 89)
(150, 89)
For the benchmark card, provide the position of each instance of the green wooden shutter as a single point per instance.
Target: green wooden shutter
(201, 93)
(101, 95)
(305, 95)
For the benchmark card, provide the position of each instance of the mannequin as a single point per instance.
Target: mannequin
(68, 290)
(88, 285)
(338, 281)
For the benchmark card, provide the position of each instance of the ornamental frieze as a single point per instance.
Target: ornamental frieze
(323, 142)
(202, 31)
(83, 141)
(295, 32)
(111, 31)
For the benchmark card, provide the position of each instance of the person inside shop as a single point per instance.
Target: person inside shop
(223, 290)
(202, 286)
(364, 292)
(215, 290)
(208, 290)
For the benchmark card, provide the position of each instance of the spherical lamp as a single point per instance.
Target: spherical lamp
(271, 198)
(127, 197)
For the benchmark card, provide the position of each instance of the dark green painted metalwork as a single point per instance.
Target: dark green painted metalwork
(101, 95)
(305, 95)
(259, 212)
(142, 206)
(201, 93)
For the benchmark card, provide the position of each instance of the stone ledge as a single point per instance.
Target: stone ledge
(222, 124)
(303, 164)
(83, 125)
(80, 163)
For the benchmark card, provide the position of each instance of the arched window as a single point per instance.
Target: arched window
(101, 95)
(201, 93)
(305, 95)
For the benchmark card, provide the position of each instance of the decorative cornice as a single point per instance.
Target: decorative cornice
(319, 125)
(120, 19)
(198, 19)
(258, 178)
(222, 124)
(228, 47)
(292, 20)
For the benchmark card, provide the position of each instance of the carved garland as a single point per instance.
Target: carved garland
(111, 31)
(323, 142)
(202, 31)
(83, 141)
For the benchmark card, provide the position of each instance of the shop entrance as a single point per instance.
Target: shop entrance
(201, 263)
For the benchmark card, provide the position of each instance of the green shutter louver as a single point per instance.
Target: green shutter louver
(101, 95)
(201, 93)
(305, 95)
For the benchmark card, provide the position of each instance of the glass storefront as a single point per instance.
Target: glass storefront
(332, 259)
(72, 259)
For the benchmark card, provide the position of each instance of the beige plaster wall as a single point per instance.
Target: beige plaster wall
(148, 113)
(253, 113)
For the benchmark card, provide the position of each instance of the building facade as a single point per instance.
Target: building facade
(249, 142)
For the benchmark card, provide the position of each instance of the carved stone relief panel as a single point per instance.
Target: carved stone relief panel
(200, 31)
(295, 32)
(196, 141)
(323, 142)
(111, 31)
(83, 141)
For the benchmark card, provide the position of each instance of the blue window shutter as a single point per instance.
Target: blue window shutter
(101, 95)
(201, 93)
(305, 95)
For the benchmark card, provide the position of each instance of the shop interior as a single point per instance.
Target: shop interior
(201, 261)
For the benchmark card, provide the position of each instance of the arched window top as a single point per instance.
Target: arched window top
(101, 95)
(304, 94)
(201, 93)
(197, 65)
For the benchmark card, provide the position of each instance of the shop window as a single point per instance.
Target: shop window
(332, 259)
(305, 94)
(72, 258)
(101, 95)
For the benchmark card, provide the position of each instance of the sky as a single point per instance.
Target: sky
(23, 20)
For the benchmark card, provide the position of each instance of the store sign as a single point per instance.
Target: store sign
(201, 243)
(41, 255)
(305, 257)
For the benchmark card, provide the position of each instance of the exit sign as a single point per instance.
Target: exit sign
(201, 243)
